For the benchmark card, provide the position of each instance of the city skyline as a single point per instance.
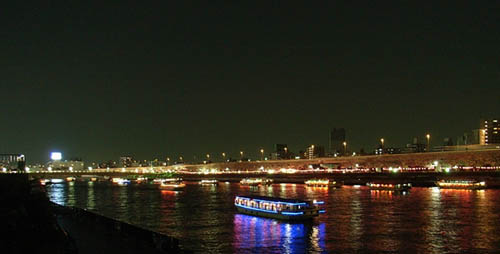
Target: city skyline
(98, 81)
(263, 152)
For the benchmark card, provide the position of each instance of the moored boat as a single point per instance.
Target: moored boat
(389, 186)
(278, 208)
(461, 184)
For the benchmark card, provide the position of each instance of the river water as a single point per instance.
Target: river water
(357, 220)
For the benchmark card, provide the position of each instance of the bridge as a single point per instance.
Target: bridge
(480, 159)
(424, 168)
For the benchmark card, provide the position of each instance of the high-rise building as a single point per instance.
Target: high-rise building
(315, 152)
(12, 162)
(489, 132)
(336, 141)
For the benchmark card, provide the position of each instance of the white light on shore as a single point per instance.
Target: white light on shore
(55, 156)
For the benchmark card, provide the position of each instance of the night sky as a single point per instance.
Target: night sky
(98, 81)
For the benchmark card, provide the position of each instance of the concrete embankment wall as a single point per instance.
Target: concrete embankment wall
(104, 227)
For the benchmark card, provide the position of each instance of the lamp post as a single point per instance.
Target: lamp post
(168, 160)
(261, 154)
(224, 156)
(241, 155)
(208, 157)
(345, 147)
(180, 158)
(286, 152)
(428, 136)
(382, 144)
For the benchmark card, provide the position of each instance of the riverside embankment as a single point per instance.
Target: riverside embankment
(30, 223)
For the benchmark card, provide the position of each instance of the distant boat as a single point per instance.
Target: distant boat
(461, 184)
(389, 186)
(278, 208)
(121, 181)
(141, 180)
(323, 183)
(209, 181)
(160, 180)
(256, 181)
(174, 184)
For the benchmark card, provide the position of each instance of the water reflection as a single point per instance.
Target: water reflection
(357, 220)
(256, 235)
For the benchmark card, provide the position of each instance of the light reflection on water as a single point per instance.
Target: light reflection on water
(425, 220)
(255, 234)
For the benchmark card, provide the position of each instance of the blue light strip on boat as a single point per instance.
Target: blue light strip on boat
(319, 202)
(322, 211)
(292, 213)
(270, 201)
(256, 209)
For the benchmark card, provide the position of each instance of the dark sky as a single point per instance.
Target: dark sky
(98, 80)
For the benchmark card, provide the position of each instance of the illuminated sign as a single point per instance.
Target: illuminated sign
(55, 156)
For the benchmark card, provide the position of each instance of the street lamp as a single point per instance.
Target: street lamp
(168, 160)
(345, 147)
(261, 154)
(208, 157)
(180, 158)
(382, 144)
(241, 155)
(286, 152)
(224, 156)
(428, 136)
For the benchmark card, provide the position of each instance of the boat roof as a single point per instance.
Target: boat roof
(282, 200)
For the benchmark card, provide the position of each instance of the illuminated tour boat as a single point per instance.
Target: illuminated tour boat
(120, 181)
(158, 180)
(322, 183)
(52, 181)
(256, 181)
(141, 179)
(390, 186)
(208, 181)
(173, 184)
(278, 208)
(461, 184)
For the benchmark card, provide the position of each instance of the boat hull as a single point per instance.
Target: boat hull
(172, 188)
(308, 215)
